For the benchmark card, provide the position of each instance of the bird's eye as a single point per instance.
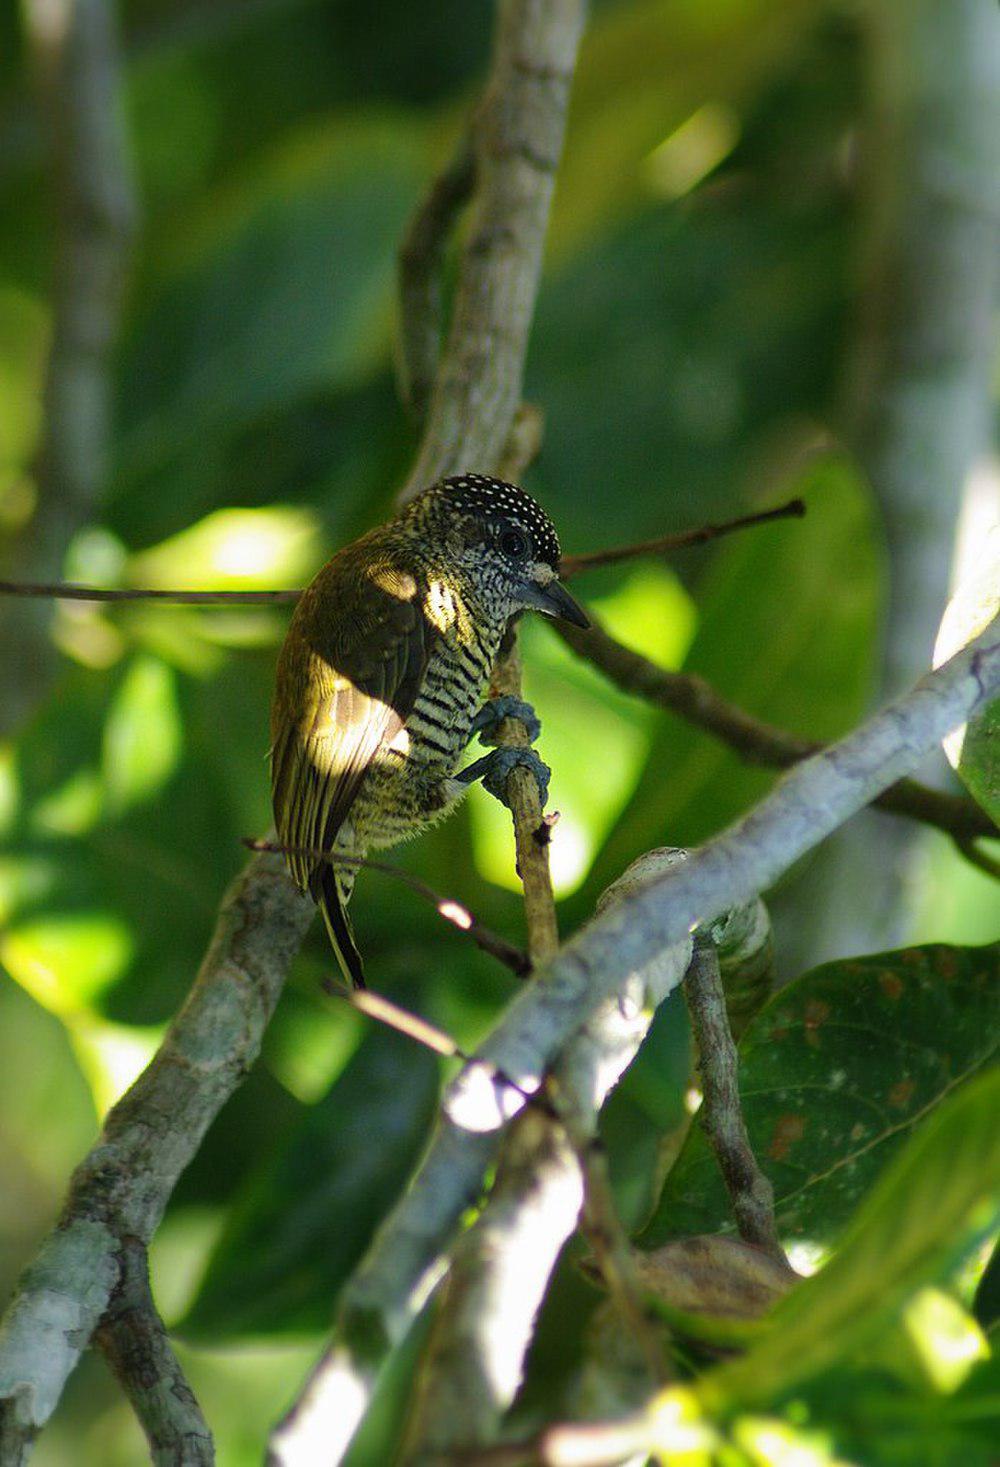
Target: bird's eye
(515, 544)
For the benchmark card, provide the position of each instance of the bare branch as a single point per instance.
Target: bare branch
(574, 565)
(690, 697)
(135, 1343)
(750, 1192)
(121, 1188)
(66, 591)
(517, 139)
(501, 1266)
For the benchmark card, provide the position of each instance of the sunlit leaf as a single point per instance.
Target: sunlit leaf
(142, 735)
(235, 549)
(66, 961)
(936, 1199)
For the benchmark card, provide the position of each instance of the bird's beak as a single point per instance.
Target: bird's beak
(554, 600)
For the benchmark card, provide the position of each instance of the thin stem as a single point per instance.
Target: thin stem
(721, 1115)
(451, 910)
(690, 697)
(66, 591)
(574, 565)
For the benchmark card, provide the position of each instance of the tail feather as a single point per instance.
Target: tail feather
(331, 898)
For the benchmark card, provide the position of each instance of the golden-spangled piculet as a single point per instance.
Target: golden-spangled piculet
(381, 678)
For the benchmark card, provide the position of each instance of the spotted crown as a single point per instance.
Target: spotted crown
(484, 495)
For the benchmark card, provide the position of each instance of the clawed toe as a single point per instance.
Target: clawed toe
(491, 715)
(499, 765)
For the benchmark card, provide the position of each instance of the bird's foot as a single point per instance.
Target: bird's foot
(489, 718)
(493, 769)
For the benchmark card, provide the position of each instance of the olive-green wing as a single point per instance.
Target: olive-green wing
(348, 677)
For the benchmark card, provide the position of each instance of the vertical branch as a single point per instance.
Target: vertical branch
(75, 50)
(531, 834)
(750, 1192)
(518, 136)
(420, 267)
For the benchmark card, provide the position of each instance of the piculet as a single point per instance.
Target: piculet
(381, 678)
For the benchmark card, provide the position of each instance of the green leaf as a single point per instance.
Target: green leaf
(142, 736)
(937, 1198)
(309, 1213)
(835, 1071)
(788, 617)
(286, 287)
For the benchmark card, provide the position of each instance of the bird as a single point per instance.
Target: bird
(380, 682)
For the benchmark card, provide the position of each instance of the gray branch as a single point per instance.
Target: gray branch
(518, 137)
(500, 1268)
(811, 801)
(135, 1343)
(122, 1187)
(750, 1192)
(921, 409)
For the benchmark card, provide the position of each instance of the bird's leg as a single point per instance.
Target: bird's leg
(489, 718)
(493, 768)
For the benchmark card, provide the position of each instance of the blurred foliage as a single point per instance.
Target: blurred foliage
(692, 337)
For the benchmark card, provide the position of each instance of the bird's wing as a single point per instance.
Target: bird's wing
(346, 685)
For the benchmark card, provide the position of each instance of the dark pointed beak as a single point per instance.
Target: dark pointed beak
(555, 600)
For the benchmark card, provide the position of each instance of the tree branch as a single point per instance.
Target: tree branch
(421, 263)
(690, 697)
(750, 1191)
(501, 1266)
(135, 1343)
(517, 136)
(574, 565)
(121, 1188)
(383, 1297)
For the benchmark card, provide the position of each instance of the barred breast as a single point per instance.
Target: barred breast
(405, 788)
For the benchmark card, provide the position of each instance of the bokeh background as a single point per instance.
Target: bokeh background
(702, 331)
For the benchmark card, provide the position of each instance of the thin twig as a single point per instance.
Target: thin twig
(574, 565)
(690, 697)
(420, 269)
(455, 912)
(66, 591)
(134, 1341)
(721, 1115)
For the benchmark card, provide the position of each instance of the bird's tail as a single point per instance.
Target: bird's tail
(331, 891)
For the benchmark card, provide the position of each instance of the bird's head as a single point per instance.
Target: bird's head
(503, 540)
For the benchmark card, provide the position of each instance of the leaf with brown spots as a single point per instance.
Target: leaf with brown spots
(836, 1071)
